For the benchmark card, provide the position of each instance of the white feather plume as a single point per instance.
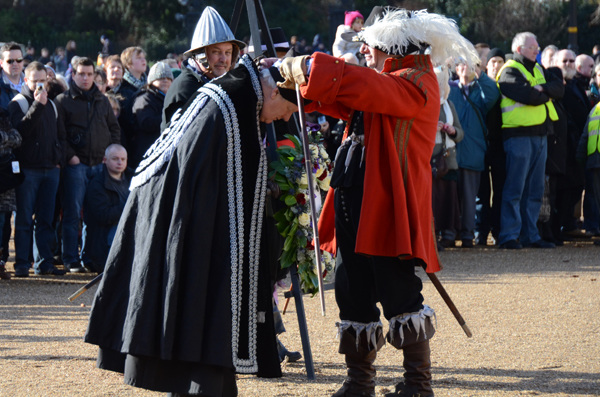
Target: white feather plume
(399, 28)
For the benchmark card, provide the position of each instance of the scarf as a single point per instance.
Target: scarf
(449, 120)
(137, 83)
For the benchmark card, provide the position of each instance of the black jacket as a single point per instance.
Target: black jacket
(181, 90)
(6, 93)
(147, 108)
(127, 93)
(88, 123)
(101, 211)
(516, 87)
(577, 107)
(42, 146)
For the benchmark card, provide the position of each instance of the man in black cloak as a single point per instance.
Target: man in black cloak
(185, 301)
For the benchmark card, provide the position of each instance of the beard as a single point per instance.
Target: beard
(568, 74)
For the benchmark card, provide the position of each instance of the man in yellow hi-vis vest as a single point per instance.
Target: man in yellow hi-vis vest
(588, 154)
(527, 115)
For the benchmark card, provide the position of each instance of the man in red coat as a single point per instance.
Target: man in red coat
(382, 181)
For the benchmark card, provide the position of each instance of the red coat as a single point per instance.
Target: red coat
(401, 107)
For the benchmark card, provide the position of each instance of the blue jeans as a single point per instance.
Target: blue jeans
(36, 196)
(75, 183)
(3, 217)
(524, 188)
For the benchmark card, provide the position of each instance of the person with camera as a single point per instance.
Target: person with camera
(40, 157)
(473, 95)
(89, 124)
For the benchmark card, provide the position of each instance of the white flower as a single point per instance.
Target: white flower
(304, 219)
(314, 269)
(323, 153)
(314, 151)
(320, 170)
(324, 184)
(303, 181)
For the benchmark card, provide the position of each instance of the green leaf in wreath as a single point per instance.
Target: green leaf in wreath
(289, 243)
(293, 229)
(288, 258)
(290, 200)
(302, 241)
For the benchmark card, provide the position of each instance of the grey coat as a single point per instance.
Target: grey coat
(460, 133)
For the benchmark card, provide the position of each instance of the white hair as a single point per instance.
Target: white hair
(547, 49)
(266, 78)
(520, 39)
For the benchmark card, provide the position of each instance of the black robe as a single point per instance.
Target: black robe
(165, 311)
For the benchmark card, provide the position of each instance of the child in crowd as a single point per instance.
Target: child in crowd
(342, 47)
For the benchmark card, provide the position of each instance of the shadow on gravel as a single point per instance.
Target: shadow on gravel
(41, 310)
(465, 265)
(543, 380)
(546, 380)
(48, 358)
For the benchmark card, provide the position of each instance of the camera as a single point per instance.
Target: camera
(39, 86)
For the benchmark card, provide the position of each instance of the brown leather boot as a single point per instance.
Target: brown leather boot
(411, 334)
(360, 356)
(417, 378)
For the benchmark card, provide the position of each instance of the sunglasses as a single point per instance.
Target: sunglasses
(568, 61)
(11, 61)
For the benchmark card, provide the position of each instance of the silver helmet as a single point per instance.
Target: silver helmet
(212, 29)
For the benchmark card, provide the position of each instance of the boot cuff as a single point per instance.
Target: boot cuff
(373, 332)
(418, 325)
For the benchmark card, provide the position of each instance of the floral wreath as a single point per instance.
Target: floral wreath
(293, 221)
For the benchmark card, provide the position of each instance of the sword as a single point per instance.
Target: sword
(440, 288)
(311, 193)
(89, 285)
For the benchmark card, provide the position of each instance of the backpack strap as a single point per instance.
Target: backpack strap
(24, 104)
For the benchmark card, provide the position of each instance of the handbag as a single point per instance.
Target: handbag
(439, 165)
(8, 178)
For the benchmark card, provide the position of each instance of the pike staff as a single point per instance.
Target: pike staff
(311, 193)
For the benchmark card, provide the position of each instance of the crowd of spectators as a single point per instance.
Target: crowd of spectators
(71, 123)
(519, 156)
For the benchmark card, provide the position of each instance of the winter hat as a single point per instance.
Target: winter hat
(351, 16)
(159, 70)
(496, 52)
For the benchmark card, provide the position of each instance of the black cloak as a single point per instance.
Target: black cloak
(185, 300)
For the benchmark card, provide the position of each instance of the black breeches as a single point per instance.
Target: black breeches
(362, 281)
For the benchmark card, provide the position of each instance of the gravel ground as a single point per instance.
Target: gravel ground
(533, 314)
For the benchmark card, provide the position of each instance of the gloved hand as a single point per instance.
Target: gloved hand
(293, 70)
